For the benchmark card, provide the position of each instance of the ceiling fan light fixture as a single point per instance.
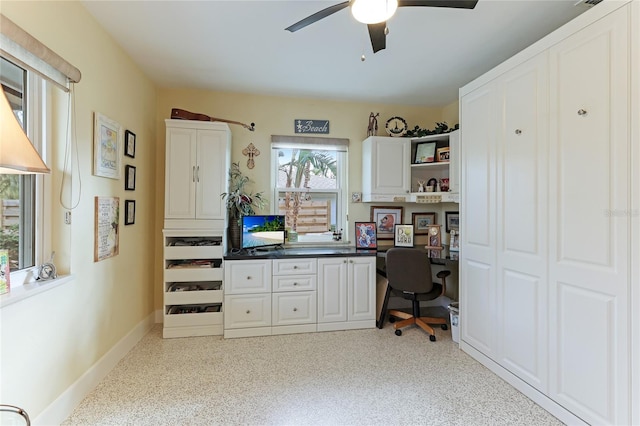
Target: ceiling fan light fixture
(373, 11)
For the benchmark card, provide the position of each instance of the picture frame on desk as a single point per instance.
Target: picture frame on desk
(403, 236)
(366, 237)
(454, 240)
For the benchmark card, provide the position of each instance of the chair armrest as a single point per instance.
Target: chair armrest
(443, 276)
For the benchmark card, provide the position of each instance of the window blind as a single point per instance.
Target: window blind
(25, 50)
(311, 142)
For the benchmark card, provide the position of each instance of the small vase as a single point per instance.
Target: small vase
(234, 233)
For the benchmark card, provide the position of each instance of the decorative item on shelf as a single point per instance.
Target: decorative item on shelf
(454, 240)
(396, 126)
(444, 184)
(433, 184)
(421, 185)
(240, 202)
(182, 114)
(442, 154)
(425, 153)
(438, 130)
(372, 130)
(251, 151)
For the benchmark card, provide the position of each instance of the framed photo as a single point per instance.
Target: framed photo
(425, 152)
(105, 231)
(403, 236)
(366, 237)
(385, 219)
(452, 221)
(129, 212)
(129, 178)
(107, 143)
(421, 222)
(454, 240)
(442, 154)
(129, 144)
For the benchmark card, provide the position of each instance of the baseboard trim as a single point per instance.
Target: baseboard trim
(60, 409)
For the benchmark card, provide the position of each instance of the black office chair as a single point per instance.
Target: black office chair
(409, 276)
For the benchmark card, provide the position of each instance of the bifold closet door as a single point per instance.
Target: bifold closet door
(522, 192)
(478, 314)
(589, 221)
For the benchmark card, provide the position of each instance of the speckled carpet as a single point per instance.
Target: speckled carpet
(359, 377)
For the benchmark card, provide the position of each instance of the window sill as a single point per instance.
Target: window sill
(26, 291)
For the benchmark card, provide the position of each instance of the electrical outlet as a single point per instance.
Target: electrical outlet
(67, 218)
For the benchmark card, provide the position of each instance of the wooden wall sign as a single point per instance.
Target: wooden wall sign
(311, 126)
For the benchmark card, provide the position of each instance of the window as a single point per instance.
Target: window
(21, 195)
(309, 176)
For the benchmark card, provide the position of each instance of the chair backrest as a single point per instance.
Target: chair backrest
(409, 269)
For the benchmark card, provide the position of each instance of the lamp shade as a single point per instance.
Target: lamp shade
(373, 11)
(17, 153)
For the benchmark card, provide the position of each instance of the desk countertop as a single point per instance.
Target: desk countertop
(293, 252)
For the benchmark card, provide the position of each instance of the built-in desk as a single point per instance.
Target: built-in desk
(299, 290)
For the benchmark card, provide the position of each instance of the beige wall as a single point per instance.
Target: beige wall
(50, 340)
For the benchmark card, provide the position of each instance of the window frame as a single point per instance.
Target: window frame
(342, 180)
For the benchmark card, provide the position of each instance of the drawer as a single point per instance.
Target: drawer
(294, 308)
(294, 266)
(193, 274)
(294, 282)
(192, 297)
(193, 252)
(184, 320)
(242, 277)
(247, 310)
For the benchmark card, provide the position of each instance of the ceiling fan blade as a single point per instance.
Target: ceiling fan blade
(317, 16)
(377, 36)
(460, 4)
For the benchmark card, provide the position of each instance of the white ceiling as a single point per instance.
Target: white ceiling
(241, 46)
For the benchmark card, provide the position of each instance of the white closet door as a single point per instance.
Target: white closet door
(589, 221)
(180, 171)
(211, 176)
(522, 222)
(477, 225)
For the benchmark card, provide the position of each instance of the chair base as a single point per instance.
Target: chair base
(422, 322)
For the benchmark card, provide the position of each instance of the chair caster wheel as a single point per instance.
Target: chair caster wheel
(432, 338)
(444, 326)
(392, 319)
(398, 332)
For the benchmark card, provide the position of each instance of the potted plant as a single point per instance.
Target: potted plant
(240, 202)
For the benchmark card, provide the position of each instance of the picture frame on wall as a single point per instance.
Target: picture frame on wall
(129, 178)
(366, 235)
(130, 144)
(129, 212)
(385, 219)
(421, 222)
(403, 236)
(452, 221)
(107, 145)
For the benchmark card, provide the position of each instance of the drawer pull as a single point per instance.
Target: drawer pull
(295, 283)
(295, 266)
(248, 311)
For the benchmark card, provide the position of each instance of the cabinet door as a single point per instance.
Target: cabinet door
(294, 308)
(454, 162)
(589, 221)
(332, 290)
(361, 294)
(522, 222)
(180, 174)
(247, 276)
(478, 317)
(247, 310)
(211, 174)
(386, 166)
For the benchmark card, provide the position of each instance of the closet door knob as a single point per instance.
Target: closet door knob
(518, 132)
(582, 112)
(248, 311)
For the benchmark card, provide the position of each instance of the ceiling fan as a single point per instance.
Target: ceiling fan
(375, 13)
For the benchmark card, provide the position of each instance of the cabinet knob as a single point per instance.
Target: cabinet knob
(350, 261)
(518, 132)
(344, 261)
(295, 283)
(295, 309)
(295, 266)
(248, 277)
(582, 112)
(248, 311)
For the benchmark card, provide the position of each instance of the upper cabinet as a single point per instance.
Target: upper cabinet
(197, 160)
(418, 170)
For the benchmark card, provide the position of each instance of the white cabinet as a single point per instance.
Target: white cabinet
(545, 264)
(390, 173)
(197, 161)
(346, 293)
(294, 306)
(192, 283)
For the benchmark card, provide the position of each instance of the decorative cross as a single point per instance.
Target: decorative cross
(251, 151)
